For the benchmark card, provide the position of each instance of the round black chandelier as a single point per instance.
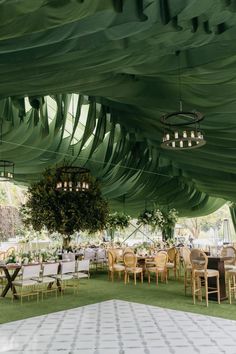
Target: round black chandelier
(72, 179)
(182, 130)
(6, 170)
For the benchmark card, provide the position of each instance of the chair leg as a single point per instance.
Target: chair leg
(194, 289)
(156, 278)
(218, 289)
(125, 278)
(134, 278)
(229, 287)
(148, 278)
(206, 290)
(141, 276)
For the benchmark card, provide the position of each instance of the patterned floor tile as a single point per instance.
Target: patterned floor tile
(119, 327)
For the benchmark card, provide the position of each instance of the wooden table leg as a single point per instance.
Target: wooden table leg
(10, 279)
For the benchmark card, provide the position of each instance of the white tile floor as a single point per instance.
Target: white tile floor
(119, 327)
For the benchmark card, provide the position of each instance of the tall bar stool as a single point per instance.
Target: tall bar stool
(187, 268)
(230, 270)
(200, 272)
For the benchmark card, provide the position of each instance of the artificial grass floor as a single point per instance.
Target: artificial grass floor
(98, 289)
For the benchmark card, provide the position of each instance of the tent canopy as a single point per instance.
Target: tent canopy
(87, 81)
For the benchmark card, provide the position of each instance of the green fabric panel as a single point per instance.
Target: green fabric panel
(232, 210)
(122, 55)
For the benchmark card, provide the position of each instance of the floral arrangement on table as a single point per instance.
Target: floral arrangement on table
(32, 256)
(162, 219)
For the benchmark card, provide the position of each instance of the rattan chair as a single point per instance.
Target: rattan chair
(173, 261)
(231, 284)
(187, 268)
(200, 272)
(229, 251)
(230, 270)
(160, 261)
(113, 267)
(130, 261)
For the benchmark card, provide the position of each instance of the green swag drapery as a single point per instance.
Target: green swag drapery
(120, 56)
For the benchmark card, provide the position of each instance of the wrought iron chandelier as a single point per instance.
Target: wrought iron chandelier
(72, 179)
(182, 128)
(6, 170)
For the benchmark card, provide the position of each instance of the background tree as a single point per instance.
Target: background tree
(64, 212)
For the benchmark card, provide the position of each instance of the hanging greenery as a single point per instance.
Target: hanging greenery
(118, 221)
(65, 212)
(160, 218)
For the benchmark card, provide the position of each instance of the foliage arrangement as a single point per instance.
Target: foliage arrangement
(163, 219)
(118, 221)
(64, 212)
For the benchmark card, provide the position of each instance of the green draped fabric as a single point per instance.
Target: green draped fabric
(233, 214)
(121, 58)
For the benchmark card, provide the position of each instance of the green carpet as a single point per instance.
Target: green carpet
(98, 289)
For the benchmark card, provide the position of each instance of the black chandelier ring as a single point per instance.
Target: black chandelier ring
(192, 118)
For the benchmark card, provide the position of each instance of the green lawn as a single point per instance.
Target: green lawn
(98, 289)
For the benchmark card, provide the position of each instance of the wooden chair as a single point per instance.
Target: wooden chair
(113, 267)
(173, 261)
(2, 274)
(231, 284)
(160, 261)
(230, 270)
(130, 261)
(9, 251)
(229, 251)
(199, 263)
(187, 268)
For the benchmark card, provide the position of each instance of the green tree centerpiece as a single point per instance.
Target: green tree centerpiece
(117, 221)
(65, 211)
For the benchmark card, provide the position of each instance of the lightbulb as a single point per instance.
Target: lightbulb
(173, 144)
(192, 134)
(176, 135)
(189, 143)
(167, 136)
(184, 134)
(181, 144)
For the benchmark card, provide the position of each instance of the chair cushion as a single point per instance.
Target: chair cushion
(81, 275)
(209, 272)
(28, 282)
(118, 267)
(65, 276)
(170, 265)
(134, 270)
(47, 280)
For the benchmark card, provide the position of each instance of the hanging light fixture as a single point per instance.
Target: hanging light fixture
(6, 170)
(72, 179)
(182, 128)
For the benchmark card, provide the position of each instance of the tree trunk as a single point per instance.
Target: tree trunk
(167, 234)
(66, 242)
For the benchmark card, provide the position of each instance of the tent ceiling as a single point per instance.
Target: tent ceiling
(120, 57)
